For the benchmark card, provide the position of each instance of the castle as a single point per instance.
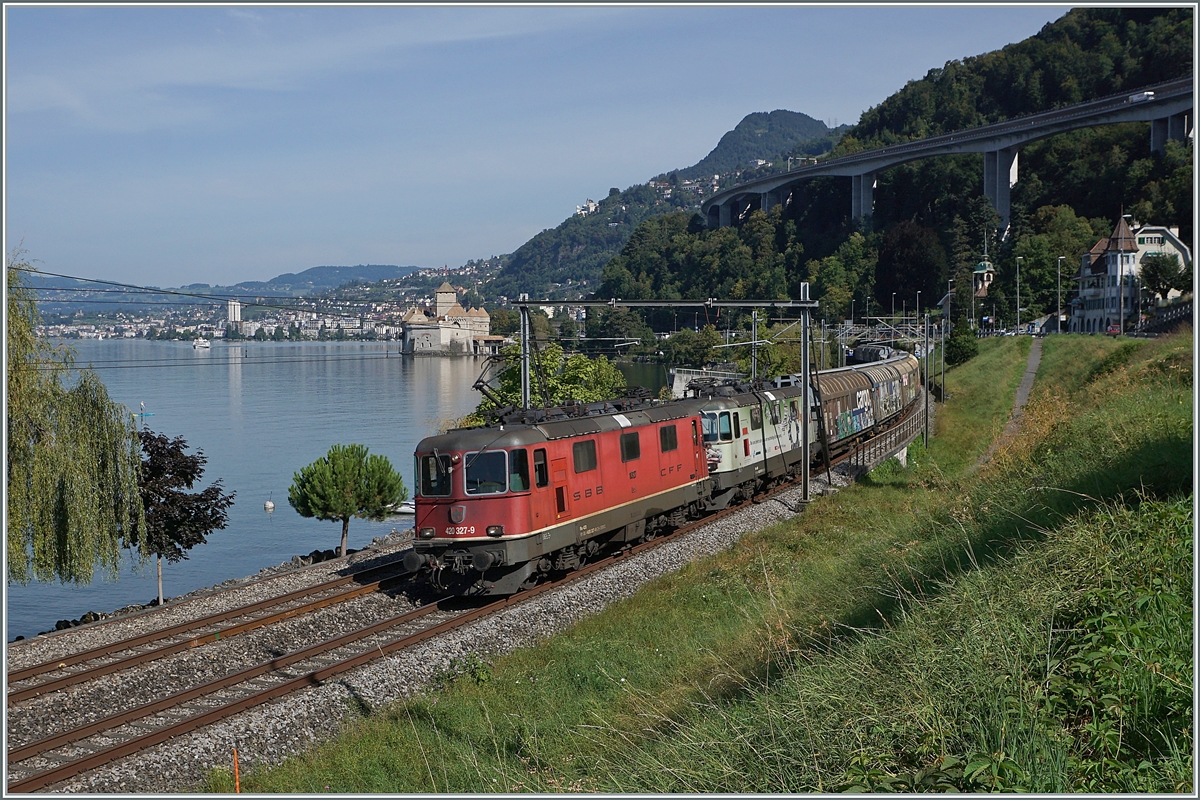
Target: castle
(448, 328)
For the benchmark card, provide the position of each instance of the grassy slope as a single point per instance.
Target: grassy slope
(762, 653)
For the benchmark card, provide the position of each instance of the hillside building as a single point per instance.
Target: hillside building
(447, 328)
(1109, 274)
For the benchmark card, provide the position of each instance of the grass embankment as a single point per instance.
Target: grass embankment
(1023, 626)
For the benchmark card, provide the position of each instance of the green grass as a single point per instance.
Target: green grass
(885, 636)
(980, 394)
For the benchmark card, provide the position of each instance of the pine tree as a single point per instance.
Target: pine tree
(346, 482)
(73, 456)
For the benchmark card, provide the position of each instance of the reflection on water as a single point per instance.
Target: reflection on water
(650, 376)
(259, 412)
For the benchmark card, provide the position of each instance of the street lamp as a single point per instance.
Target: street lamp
(1019, 294)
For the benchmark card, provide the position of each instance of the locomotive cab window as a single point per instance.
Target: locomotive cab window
(631, 446)
(755, 418)
(485, 473)
(725, 427)
(518, 470)
(710, 427)
(667, 438)
(737, 425)
(541, 474)
(433, 475)
(585, 455)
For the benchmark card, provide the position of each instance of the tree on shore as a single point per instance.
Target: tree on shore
(1161, 273)
(176, 520)
(73, 456)
(347, 482)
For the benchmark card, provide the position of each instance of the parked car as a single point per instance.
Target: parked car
(1113, 330)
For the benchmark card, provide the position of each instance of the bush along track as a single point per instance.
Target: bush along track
(1026, 626)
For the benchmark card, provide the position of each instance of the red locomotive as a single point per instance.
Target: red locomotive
(495, 507)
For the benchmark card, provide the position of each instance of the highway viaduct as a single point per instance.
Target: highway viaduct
(1168, 107)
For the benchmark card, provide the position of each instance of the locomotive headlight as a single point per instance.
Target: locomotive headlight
(495, 530)
(427, 533)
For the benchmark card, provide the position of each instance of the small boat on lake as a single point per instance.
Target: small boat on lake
(201, 343)
(407, 507)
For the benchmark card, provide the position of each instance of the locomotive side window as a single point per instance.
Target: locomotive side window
(541, 473)
(774, 408)
(585, 455)
(631, 447)
(667, 438)
(710, 427)
(726, 430)
(434, 475)
(695, 435)
(485, 472)
(737, 425)
(518, 470)
(755, 418)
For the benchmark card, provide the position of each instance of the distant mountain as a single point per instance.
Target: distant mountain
(758, 136)
(316, 279)
(66, 295)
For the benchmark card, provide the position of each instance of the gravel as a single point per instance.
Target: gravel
(270, 733)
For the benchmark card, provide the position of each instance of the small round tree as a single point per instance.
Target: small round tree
(962, 345)
(346, 482)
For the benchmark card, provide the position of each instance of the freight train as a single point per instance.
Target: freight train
(501, 506)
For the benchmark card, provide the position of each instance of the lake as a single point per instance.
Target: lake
(259, 412)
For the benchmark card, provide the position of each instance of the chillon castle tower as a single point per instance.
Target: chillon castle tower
(448, 328)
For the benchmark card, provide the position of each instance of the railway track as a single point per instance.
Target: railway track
(43, 762)
(89, 664)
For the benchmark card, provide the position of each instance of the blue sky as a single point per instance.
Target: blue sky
(175, 145)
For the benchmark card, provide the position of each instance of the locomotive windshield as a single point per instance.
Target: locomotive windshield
(486, 472)
(710, 427)
(433, 475)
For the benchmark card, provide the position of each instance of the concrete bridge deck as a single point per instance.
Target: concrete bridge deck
(1168, 106)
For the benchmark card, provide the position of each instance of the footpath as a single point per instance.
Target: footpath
(1014, 422)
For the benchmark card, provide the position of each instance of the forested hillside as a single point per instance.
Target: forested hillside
(567, 260)
(758, 136)
(931, 219)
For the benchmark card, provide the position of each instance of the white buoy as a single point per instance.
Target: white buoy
(269, 505)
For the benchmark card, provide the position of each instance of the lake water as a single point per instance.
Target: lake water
(259, 412)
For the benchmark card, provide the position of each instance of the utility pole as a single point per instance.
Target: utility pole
(946, 333)
(525, 360)
(925, 382)
(805, 369)
(1120, 288)
(893, 319)
(754, 345)
(1019, 295)
(1058, 319)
